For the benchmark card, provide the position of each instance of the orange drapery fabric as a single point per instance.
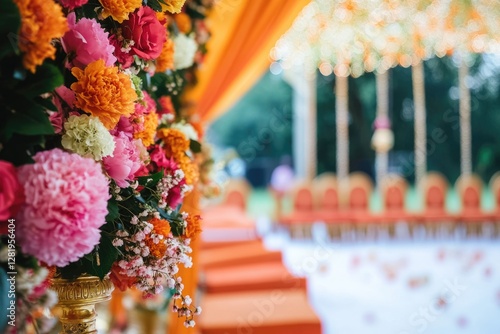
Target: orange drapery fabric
(190, 275)
(244, 31)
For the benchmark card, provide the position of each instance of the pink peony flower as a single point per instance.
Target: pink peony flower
(86, 41)
(146, 31)
(66, 203)
(125, 161)
(124, 56)
(72, 4)
(11, 194)
(124, 126)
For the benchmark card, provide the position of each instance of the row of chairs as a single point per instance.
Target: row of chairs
(345, 208)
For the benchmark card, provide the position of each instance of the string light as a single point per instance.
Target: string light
(369, 35)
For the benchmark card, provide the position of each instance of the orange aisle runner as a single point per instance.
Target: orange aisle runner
(251, 277)
(258, 312)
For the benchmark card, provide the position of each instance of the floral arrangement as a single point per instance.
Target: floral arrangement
(96, 153)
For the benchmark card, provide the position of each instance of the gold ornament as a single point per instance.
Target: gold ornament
(77, 301)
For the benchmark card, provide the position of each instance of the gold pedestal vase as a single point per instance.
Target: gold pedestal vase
(77, 301)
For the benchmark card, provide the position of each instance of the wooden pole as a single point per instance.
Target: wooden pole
(342, 117)
(420, 160)
(465, 121)
(382, 156)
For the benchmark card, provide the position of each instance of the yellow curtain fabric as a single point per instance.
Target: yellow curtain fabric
(244, 32)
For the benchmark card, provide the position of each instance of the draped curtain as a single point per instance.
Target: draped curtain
(244, 32)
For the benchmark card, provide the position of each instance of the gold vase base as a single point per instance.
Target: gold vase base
(77, 301)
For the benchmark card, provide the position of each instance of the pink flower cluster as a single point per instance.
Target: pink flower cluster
(86, 41)
(66, 203)
(124, 162)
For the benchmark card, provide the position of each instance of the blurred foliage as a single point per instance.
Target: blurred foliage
(246, 126)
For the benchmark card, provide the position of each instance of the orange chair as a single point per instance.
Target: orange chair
(327, 205)
(358, 202)
(394, 189)
(469, 188)
(236, 194)
(434, 216)
(302, 216)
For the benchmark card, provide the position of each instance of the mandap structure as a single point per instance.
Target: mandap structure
(351, 37)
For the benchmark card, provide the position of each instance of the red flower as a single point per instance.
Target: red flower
(147, 32)
(120, 280)
(11, 194)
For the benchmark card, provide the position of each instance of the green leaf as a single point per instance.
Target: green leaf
(107, 253)
(27, 118)
(195, 146)
(9, 28)
(113, 211)
(46, 78)
(150, 180)
(46, 103)
(155, 5)
(73, 270)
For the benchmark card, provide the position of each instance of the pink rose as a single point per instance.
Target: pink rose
(125, 161)
(147, 32)
(11, 194)
(72, 4)
(86, 41)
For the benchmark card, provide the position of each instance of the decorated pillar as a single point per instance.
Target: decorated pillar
(304, 123)
(420, 154)
(342, 121)
(383, 138)
(465, 120)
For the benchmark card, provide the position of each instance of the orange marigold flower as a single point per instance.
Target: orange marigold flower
(190, 169)
(104, 92)
(41, 22)
(183, 22)
(176, 144)
(193, 228)
(147, 136)
(160, 227)
(166, 59)
(119, 9)
(162, 17)
(173, 6)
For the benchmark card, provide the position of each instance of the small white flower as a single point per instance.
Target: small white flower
(117, 242)
(185, 48)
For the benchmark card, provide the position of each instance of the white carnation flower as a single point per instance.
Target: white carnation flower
(187, 129)
(184, 50)
(87, 136)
